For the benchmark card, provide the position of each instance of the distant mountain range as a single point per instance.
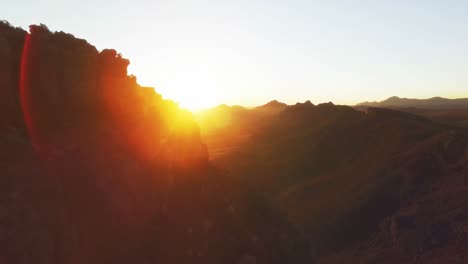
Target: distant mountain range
(225, 128)
(394, 102)
(431, 103)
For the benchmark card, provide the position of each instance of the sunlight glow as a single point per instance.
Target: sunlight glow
(195, 102)
(193, 98)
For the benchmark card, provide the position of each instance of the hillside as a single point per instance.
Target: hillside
(98, 169)
(344, 177)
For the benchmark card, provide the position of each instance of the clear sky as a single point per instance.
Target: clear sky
(202, 53)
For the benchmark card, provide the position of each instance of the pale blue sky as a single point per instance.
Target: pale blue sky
(202, 53)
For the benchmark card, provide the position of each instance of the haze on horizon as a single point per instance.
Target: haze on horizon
(202, 54)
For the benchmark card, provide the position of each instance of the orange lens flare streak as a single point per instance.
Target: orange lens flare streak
(24, 85)
(26, 101)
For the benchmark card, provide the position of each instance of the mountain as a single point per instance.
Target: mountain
(99, 169)
(272, 107)
(431, 103)
(380, 186)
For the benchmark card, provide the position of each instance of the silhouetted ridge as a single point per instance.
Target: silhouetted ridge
(393, 99)
(299, 111)
(270, 108)
(329, 104)
(272, 104)
(306, 103)
(303, 108)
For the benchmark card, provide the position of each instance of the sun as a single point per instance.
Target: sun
(195, 86)
(194, 100)
(194, 106)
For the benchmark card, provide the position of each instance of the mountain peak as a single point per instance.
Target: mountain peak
(273, 106)
(274, 103)
(392, 99)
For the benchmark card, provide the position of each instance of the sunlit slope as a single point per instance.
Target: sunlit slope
(338, 173)
(98, 169)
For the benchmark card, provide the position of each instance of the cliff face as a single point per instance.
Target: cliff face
(97, 169)
(65, 83)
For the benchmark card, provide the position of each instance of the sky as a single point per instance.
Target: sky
(203, 53)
